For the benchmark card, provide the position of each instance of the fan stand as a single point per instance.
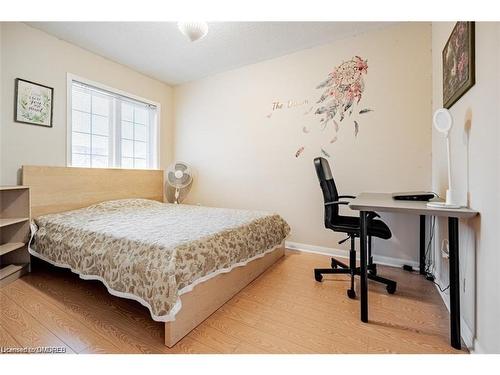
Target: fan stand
(177, 193)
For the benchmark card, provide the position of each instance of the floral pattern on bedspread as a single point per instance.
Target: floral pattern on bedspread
(153, 250)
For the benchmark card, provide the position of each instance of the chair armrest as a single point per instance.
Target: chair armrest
(347, 196)
(335, 203)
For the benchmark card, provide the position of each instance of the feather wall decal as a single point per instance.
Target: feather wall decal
(299, 151)
(365, 110)
(325, 153)
(347, 106)
(336, 125)
(305, 130)
(269, 115)
(356, 128)
(308, 111)
(334, 139)
(325, 83)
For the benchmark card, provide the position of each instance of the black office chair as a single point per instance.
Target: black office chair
(351, 226)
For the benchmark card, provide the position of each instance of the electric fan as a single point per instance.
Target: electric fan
(443, 122)
(179, 177)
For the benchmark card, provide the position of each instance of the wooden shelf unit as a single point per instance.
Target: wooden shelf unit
(14, 232)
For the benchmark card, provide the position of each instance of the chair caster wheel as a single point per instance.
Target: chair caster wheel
(351, 293)
(391, 288)
(317, 276)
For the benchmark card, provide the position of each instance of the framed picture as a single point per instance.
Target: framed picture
(458, 63)
(33, 103)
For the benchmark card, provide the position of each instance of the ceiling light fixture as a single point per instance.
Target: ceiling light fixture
(193, 30)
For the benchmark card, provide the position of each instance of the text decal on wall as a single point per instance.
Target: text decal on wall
(289, 104)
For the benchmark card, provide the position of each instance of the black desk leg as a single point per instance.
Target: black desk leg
(454, 283)
(363, 215)
(422, 245)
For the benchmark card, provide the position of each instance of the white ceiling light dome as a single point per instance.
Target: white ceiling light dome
(193, 30)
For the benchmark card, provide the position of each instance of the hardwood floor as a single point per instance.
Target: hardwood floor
(283, 311)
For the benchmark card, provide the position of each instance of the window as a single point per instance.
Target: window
(110, 129)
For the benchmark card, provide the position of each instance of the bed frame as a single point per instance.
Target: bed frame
(58, 189)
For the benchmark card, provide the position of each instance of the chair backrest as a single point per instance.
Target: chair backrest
(327, 184)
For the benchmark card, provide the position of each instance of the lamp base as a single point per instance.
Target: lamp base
(447, 204)
(449, 197)
(443, 205)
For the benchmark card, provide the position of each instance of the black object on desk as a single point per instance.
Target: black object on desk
(414, 196)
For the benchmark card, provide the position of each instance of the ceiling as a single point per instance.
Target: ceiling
(159, 50)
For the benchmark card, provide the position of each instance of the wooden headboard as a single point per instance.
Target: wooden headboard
(57, 189)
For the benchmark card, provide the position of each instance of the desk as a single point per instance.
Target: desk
(382, 202)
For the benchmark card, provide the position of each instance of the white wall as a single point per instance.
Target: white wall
(1, 106)
(476, 175)
(31, 54)
(245, 159)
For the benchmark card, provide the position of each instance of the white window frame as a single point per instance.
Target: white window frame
(155, 127)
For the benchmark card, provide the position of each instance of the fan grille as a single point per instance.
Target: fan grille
(179, 182)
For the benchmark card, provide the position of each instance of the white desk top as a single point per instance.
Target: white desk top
(383, 202)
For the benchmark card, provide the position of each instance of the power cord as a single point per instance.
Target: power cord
(440, 288)
(429, 256)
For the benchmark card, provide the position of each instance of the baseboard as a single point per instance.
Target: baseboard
(467, 335)
(330, 251)
(478, 349)
(466, 332)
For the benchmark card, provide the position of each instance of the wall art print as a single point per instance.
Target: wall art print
(33, 103)
(458, 63)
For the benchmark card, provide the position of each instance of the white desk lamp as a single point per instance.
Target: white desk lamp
(443, 122)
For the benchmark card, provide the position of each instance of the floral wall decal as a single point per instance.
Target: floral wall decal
(341, 94)
(342, 89)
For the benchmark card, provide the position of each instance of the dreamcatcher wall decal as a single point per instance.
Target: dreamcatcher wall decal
(341, 94)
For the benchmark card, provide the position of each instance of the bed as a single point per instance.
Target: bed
(180, 261)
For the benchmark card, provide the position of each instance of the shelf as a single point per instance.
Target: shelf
(12, 272)
(16, 187)
(14, 227)
(13, 220)
(10, 246)
(10, 269)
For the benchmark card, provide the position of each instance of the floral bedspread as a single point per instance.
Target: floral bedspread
(153, 252)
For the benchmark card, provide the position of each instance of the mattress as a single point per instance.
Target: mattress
(154, 252)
